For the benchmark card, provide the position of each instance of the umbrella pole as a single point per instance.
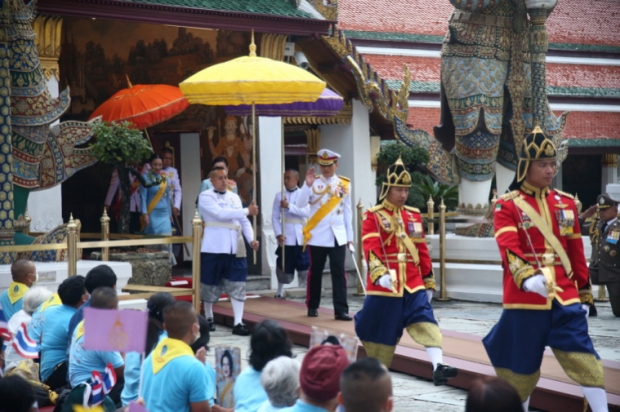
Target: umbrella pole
(282, 197)
(254, 169)
(148, 137)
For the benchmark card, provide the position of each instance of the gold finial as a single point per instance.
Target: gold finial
(252, 46)
(128, 81)
(399, 161)
(537, 130)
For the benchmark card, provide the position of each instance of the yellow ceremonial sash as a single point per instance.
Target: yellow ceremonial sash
(167, 350)
(155, 200)
(547, 233)
(79, 330)
(17, 291)
(320, 214)
(53, 301)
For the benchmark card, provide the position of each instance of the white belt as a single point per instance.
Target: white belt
(294, 221)
(232, 226)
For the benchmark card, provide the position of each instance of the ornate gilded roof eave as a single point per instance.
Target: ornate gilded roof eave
(373, 90)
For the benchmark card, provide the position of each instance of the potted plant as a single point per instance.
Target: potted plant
(120, 145)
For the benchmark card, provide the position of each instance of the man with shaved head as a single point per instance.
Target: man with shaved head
(24, 275)
(223, 264)
(289, 234)
(366, 386)
(175, 379)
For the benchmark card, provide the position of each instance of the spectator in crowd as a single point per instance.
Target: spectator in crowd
(174, 379)
(99, 276)
(491, 394)
(269, 341)
(38, 318)
(319, 379)
(24, 275)
(280, 380)
(32, 299)
(16, 395)
(154, 334)
(55, 332)
(82, 362)
(366, 386)
(203, 342)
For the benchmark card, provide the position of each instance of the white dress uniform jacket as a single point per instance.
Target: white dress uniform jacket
(226, 208)
(173, 183)
(292, 217)
(135, 204)
(337, 224)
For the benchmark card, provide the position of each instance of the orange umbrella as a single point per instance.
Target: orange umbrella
(144, 105)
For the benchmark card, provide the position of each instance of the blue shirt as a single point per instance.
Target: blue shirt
(268, 407)
(54, 338)
(9, 308)
(133, 360)
(179, 383)
(248, 392)
(210, 383)
(83, 362)
(301, 406)
(77, 318)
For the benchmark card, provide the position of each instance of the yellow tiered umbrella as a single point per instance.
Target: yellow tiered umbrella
(252, 80)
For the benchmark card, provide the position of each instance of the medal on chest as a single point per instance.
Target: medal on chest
(613, 236)
(414, 229)
(566, 220)
(527, 222)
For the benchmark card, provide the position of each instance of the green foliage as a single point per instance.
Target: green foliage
(429, 188)
(118, 144)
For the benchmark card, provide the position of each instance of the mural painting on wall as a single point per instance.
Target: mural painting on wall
(230, 137)
(99, 55)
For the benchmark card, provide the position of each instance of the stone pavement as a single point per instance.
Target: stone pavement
(412, 393)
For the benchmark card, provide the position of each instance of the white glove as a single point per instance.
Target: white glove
(429, 294)
(586, 308)
(536, 284)
(385, 281)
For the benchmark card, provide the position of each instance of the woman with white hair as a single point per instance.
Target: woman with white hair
(32, 299)
(280, 379)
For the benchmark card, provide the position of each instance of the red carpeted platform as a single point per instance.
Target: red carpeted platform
(555, 391)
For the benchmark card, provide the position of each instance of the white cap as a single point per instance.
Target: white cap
(326, 157)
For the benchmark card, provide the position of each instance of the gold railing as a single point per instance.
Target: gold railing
(72, 245)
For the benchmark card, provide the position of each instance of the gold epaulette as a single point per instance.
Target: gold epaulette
(568, 195)
(317, 176)
(510, 195)
(412, 209)
(344, 178)
(375, 208)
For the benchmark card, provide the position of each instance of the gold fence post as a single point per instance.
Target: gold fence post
(443, 294)
(28, 220)
(430, 205)
(196, 234)
(105, 235)
(71, 246)
(360, 248)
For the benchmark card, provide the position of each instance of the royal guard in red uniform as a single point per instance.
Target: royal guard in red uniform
(400, 281)
(547, 290)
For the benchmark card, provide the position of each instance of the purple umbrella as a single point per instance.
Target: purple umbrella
(328, 104)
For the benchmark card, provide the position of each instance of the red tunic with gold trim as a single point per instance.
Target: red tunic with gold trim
(519, 237)
(393, 239)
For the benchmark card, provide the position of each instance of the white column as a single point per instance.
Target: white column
(352, 142)
(45, 206)
(270, 174)
(190, 181)
(609, 173)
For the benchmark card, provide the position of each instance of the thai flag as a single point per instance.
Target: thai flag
(4, 326)
(101, 385)
(24, 345)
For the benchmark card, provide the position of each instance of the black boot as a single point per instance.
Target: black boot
(443, 373)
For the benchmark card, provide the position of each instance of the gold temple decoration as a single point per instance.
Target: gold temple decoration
(48, 30)
(329, 11)
(342, 117)
(272, 46)
(313, 137)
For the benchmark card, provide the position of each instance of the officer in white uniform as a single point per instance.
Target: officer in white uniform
(328, 231)
(223, 264)
(295, 257)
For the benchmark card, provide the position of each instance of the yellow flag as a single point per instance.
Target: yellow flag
(80, 408)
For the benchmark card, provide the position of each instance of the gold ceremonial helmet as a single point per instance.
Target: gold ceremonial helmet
(396, 176)
(536, 146)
